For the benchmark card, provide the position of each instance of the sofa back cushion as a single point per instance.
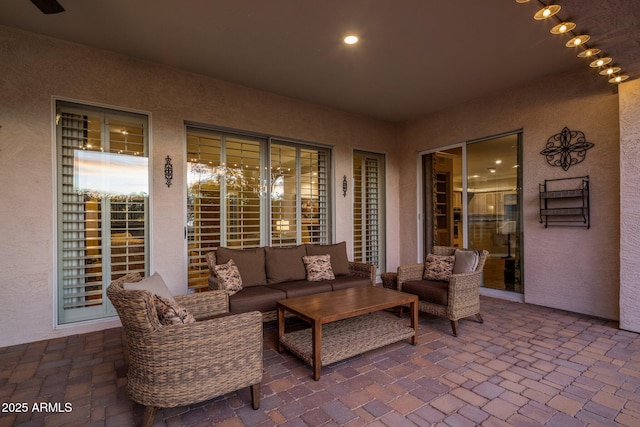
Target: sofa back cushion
(250, 263)
(285, 264)
(338, 252)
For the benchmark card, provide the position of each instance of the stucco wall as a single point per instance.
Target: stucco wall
(630, 205)
(575, 269)
(35, 69)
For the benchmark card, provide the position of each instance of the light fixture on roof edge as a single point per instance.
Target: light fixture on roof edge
(610, 71)
(563, 27)
(578, 40)
(591, 53)
(618, 79)
(588, 53)
(546, 12)
(600, 62)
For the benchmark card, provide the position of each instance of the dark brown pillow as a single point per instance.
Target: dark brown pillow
(250, 263)
(285, 264)
(338, 252)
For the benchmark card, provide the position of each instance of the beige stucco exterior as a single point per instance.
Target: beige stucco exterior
(577, 270)
(630, 206)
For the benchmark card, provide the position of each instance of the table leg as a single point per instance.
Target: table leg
(414, 322)
(316, 348)
(280, 313)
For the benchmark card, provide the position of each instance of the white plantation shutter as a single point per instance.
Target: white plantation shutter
(247, 191)
(92, 224)
(368, 209)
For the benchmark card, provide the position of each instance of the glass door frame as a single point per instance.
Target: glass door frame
(424, 214)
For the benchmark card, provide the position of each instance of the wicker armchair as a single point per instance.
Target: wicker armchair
(462, 293)
(184, 364)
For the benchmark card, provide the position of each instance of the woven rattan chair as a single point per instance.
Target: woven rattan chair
(180, 365)
(462, 294)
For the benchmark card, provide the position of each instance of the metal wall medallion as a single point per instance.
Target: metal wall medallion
(168, 171)
(571, 149)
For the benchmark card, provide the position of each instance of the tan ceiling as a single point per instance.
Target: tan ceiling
(415, 56)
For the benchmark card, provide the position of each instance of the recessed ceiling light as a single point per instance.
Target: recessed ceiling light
(498, 162)
(492, 170)
(351, 39)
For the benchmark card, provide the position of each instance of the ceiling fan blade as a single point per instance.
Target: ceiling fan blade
(48, 6)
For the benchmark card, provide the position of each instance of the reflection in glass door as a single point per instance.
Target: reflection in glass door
(493, 208)
(479, 209)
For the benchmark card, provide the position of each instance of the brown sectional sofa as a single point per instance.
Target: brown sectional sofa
(270, 274)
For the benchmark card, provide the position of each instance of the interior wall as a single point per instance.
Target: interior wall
(629, 206)
(575, 269)
(35, 69)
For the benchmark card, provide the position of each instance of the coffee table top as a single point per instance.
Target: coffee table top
(337, 305)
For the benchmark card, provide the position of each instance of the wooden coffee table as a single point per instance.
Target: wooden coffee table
(352, 330)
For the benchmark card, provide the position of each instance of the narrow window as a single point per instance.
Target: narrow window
(368, 209)
(102, 180)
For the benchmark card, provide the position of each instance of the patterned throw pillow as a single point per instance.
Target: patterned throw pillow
(438, 267)
(171, 313)
(318, 267)
(229, 277)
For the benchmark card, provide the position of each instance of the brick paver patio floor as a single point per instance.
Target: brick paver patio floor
(525, 366)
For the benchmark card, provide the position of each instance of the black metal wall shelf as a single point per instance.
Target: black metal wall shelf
(564, 202)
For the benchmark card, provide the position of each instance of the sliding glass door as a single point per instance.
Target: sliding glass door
(473, 199)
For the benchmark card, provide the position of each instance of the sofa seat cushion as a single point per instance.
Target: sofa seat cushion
(250, 263)
(285, 264)
(346, 281)
(338, 252)
(433, 291)
(300, 288)
(260, 298)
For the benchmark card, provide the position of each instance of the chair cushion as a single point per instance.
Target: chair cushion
(153, 284)
(466, 261)
(250, 263)
(433, 291)
(338, 252)
(438, 267)
(171, 313)
(285, 264)
(318, 267)
(229, 276)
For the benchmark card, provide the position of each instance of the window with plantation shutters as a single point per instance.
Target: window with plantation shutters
(246, 191)
(368, 209)
(299, 194)
(102, 180)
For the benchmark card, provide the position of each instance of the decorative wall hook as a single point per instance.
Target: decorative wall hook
(344, 186)
(168, 171)
(571, 150)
